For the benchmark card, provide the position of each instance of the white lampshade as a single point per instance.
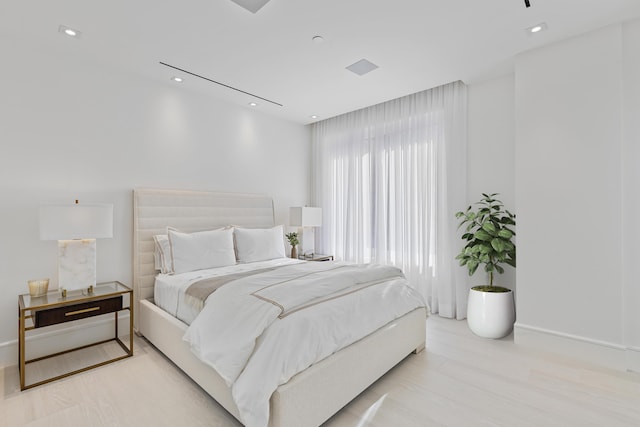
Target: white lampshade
(305, 216)
(76, 228)
(76, 221)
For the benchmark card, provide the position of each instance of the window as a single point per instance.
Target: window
(388, 185)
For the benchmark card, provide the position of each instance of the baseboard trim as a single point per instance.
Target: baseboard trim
(602, 353)
(57, 338)
(633, 359)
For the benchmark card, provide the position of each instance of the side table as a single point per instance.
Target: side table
(54, 309)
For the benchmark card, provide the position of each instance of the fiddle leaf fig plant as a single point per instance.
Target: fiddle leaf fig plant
(488, 231)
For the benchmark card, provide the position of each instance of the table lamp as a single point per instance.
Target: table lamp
(76, 227)
(306, 218)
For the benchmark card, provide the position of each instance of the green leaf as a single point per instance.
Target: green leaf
(509, 247)
(490, 228)
(472, 266)
(483, 235)
(507, 220)
(498, 244)
(504, 233)
(484, 248)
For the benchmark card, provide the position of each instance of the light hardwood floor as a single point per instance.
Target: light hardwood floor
(460, 380)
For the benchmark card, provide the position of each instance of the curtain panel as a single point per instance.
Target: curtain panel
(389, 179)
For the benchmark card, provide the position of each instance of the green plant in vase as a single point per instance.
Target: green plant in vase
(293, 241)
(489, 235)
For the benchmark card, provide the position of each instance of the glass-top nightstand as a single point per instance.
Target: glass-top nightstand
(317, 257)
(54, 309)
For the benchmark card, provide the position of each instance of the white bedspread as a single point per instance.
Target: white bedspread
(169, 289)
(258, 332)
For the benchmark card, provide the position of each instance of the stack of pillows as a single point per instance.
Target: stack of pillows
(177, 252)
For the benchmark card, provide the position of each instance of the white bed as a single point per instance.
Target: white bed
(310, 397)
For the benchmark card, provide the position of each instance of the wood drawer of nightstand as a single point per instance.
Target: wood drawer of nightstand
(68, 313)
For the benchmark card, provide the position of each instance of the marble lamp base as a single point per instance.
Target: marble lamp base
(76, 264)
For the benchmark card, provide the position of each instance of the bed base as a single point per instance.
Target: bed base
(312, 396)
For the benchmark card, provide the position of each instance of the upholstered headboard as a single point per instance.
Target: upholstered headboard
(155, 210)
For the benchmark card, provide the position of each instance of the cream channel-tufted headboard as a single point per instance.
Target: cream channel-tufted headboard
(154, 210)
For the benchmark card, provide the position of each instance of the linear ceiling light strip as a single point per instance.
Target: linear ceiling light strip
(221, 84)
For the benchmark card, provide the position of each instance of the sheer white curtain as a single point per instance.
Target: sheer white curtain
(389, 179)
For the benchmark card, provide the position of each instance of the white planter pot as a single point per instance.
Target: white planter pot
(490, 314)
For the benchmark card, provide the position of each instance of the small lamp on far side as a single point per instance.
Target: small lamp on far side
(306, 218)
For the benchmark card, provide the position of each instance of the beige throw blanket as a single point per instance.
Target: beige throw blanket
(198, 292)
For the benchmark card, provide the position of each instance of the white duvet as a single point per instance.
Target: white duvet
(260, 331)
(169, 289)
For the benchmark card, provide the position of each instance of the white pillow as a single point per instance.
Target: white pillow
(259, 244)
(162, 253)
(200, 250)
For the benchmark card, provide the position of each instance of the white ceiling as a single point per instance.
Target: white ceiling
(417, 44)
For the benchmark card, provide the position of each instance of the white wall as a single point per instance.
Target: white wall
(631, 195)
(571, 202)
(72, 129)
(491, 152)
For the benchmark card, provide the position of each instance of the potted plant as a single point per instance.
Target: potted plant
(489, 242)
(293, 241)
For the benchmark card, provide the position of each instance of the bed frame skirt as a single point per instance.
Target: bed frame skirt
(312, 396)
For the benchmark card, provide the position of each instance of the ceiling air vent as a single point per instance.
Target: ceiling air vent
(362, 67)
(251, 5)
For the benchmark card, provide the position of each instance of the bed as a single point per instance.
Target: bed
(310, 397)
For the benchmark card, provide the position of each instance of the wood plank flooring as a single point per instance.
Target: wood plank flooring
(460, 380)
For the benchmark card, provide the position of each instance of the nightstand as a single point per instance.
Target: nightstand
(54, 309)
(318, 257)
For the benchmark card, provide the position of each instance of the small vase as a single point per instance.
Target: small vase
(294, 252)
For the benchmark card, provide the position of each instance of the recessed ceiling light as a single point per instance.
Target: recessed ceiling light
(313, 116)
(69, 31)
(177, 79)
(253, 104)
(536, 28)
